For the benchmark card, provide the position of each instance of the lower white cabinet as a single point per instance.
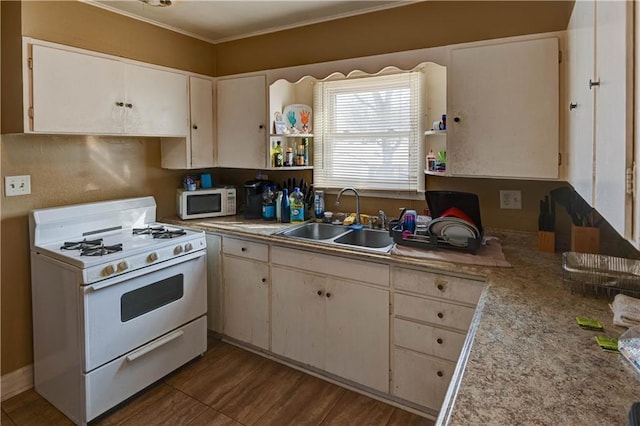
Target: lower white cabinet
(339, 326)
(246, 293)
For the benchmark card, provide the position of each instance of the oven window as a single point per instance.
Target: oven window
(206, 203)
(146, 299)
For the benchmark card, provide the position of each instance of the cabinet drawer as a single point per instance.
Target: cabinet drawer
(427, 339)
(433, 311)
(244, 248)
(358, 270)
(421, 379)
(437, 285)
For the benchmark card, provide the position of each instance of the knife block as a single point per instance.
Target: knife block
(585, 239)
(547, 241)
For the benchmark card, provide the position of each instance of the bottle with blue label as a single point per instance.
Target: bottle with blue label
(297, 205)
(285, 207)
(268, 203)
(318, 204)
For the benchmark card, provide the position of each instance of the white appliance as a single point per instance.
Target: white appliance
(201, 203)
(118, 302)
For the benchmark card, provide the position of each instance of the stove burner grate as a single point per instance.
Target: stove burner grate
(148, 230)
(170, 234)
(100, 250)
(159, 232)
(81, 245)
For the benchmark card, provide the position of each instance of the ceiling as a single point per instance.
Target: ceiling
(217, 21)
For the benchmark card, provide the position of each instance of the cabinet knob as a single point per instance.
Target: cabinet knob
(573, 106)
(328, 295)
(439, 341)
(320, 293)
(195, 127)
(440, 315)
(243, 249)
(129, 105)
(440, 373)
(261, 126)
(264, 280)
(440, 287)
(456, 119)
(119, 104)
(593, 83)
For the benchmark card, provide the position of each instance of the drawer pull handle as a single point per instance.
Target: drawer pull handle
(440, 315)
(119, 104)
(154, 345)
(320, 293)
(439, 341)
(440, 287)
(243, 249)
(440, 373)
(328, 295)
(264, 280)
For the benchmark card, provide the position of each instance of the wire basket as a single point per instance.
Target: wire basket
(599, 275)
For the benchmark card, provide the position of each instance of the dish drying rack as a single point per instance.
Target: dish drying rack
(601, 276)
(429, 241)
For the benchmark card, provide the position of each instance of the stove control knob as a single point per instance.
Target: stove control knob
(108, 270)
(152, 257)
(123, 266)
(177, 250)
(188, 247)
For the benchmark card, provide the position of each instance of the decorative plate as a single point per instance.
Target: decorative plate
(298, 118)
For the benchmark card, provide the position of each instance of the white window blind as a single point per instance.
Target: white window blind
(368, 133)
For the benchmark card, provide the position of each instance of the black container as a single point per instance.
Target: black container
(439, 202)
(253, 198)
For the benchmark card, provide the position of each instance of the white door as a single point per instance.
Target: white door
(246, 300)
(157, 102)
(298, 316)
(503, 116)
(241, 122)
(201, 106)
(357, 333)
(76, 93)
(614, 114)
(580, 123)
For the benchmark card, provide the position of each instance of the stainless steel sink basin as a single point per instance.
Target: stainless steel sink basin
(315, 231)
(366, 238)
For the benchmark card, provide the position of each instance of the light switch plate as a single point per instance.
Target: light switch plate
(17, 185)
(511, 199)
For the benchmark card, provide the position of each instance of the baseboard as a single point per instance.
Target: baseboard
(16, 382)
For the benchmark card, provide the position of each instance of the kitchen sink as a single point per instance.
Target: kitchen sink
(338, 235)
(315, 231)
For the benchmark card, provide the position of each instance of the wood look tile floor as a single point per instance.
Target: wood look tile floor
(228, 386)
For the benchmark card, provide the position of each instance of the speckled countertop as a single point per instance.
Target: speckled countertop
(525, 360)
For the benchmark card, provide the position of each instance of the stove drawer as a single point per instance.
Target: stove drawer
(116, 381)
(128, 312)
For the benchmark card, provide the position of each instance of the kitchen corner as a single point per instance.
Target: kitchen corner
(524, 359)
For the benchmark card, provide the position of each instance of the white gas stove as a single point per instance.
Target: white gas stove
(119, 301)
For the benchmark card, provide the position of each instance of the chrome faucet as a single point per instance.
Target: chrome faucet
(348, 188)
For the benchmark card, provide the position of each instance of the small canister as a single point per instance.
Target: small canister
(410, 221)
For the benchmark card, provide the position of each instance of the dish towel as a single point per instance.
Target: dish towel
(626, 310)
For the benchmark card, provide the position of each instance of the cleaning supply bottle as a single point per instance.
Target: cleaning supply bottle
(297, 205)
(431, 161)
(268, 204)
(285, 207)
(278, 155)
(318, 205)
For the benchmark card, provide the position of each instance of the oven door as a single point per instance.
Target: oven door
(125, 312)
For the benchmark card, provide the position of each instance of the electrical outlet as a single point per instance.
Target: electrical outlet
(17, 185)
(511, 199)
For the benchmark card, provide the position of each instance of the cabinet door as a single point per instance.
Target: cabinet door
(246, 300)
(357, 333)
(201, 108)
(76, 93)
(157, 102)
(580, 68)
(297, 316)
(504, 110)
(614, 114)
(241, 114)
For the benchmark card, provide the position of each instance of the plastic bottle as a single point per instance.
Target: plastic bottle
(279, 206)
(285, 207)
(278, 155)
(268, 204)
(288, 158)
(318, 204)
(297, 205)
(431, 160)
(305, 142)
(300, 155)
(409, 221)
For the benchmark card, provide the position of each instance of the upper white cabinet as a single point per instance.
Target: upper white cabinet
(600, 104)
(503, 102)
(241, 114)
(197, 149)
(79, 93)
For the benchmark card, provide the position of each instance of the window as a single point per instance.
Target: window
(368, 133)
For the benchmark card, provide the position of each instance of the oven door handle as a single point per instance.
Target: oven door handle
(145, 271)
(154, 345)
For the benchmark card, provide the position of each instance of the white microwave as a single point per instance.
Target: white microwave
(203, 203)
